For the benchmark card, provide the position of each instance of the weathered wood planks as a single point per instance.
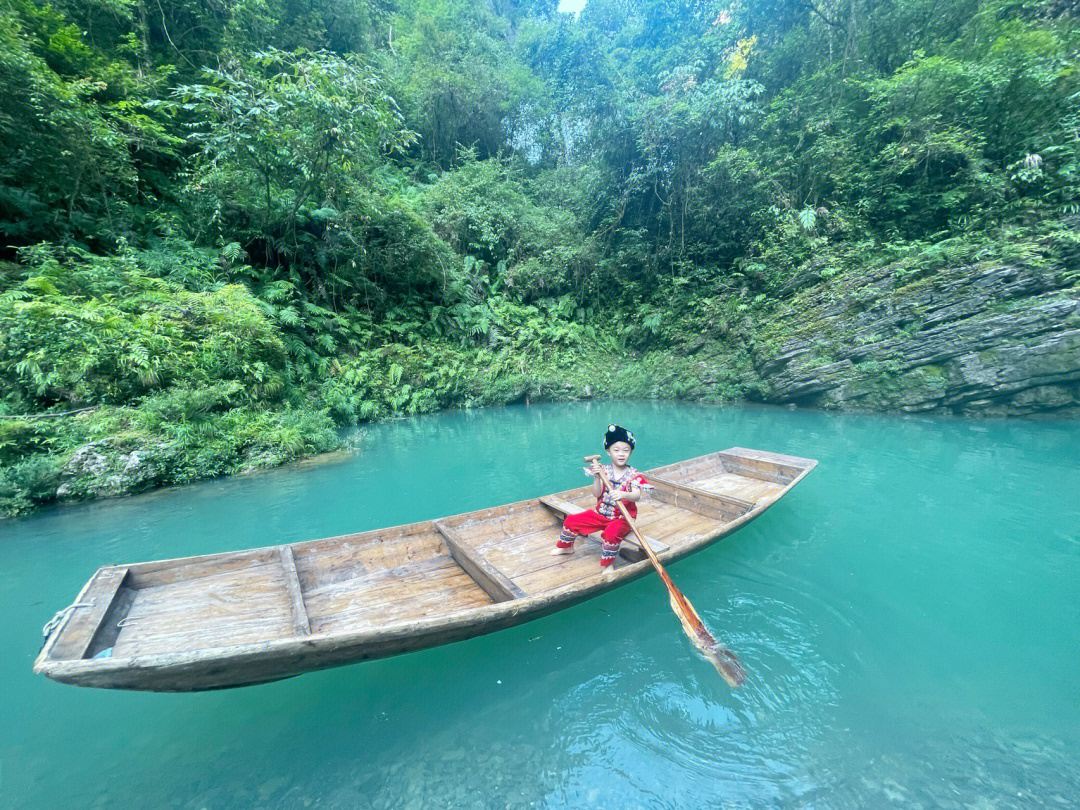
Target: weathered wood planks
(406, 593)
(760, 464)
(189, 569)
(208, 612)
(78, 632)
(404, 588)
(738, 486)
(496, 584)
(685, 471)
(721, 507)
(699, 506)
(296, 598)
(496, 528)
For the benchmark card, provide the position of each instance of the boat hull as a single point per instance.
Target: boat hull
(315, 632)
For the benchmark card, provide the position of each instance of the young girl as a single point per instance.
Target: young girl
(627, 485)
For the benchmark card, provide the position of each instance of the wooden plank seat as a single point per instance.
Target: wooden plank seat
(494, 582)
(88, 613)
(296, 596)
(630, 549)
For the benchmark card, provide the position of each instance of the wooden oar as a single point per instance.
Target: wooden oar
(723, 659)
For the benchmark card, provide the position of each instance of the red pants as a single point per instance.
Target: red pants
(612, 532)
(613, 529)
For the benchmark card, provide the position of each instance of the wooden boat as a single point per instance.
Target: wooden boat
(246, 617)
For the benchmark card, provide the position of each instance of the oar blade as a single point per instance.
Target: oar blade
(726, 664)
(723, 659)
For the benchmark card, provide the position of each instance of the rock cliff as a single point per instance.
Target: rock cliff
(991, 340)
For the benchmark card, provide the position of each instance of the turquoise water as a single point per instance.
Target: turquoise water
(909, 617)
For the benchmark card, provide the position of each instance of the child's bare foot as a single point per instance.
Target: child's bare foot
(607, 571)
(555, 552)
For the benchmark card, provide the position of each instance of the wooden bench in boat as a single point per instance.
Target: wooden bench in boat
(246, 617)
(630, 548)
(494, 582)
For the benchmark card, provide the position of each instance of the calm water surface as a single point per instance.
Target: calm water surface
(909, 616)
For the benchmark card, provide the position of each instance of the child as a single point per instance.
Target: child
(627, 486)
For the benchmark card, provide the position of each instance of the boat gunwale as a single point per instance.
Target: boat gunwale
(96, 672)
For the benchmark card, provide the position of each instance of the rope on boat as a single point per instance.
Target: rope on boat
(54, 622)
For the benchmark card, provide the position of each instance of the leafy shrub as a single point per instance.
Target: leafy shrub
(84, 330)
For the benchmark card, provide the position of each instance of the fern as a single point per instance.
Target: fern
(41, 285)
(233, 252)
(653, 322)
(289, 316)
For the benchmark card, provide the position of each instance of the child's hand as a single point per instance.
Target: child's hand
(593, 469)
(617, 495)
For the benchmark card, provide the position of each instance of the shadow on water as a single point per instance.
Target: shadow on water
(907, 618)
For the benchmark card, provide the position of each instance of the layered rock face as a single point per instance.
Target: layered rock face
(991, 340)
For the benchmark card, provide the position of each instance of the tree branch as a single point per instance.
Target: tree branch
(834, 23)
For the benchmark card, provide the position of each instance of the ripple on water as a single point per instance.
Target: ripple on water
(668, 721)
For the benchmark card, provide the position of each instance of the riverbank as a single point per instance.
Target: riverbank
(1033, 369)
(184, 436)
(998, 336)
(993, 339)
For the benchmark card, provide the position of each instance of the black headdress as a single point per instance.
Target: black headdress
(617, 433)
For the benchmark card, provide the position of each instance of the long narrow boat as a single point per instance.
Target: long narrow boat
(247, 617)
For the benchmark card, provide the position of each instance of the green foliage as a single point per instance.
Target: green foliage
(281, 139)
(83, 330)
(459, 80)
(28, 482)
(231, 228)
(483, 210)
(74, 118)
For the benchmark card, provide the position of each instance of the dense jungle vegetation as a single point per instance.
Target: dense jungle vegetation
(232, 226)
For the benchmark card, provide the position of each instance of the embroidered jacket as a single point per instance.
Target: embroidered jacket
(629, 481)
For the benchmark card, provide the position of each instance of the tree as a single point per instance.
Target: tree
(280, 137)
